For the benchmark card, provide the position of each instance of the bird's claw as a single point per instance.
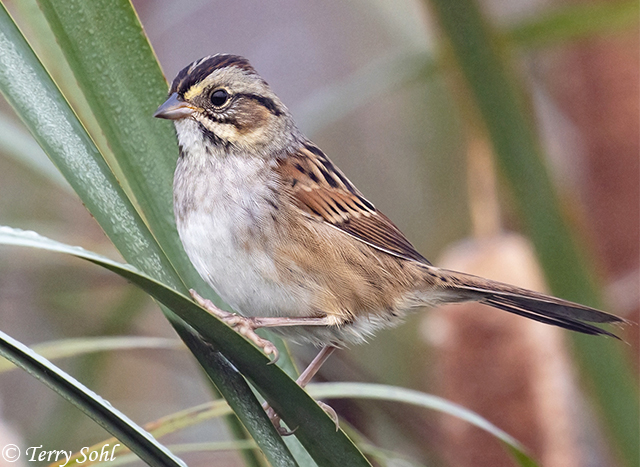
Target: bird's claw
(277, 422)
(244, 326)
(330, 412)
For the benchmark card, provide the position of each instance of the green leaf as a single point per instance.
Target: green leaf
(123, 84)
(420, 399)
(47, 48)
(39, 103)
(574, 21)
(169, 424)
(81, 346)
(120, 77)
(186, 448)
(195, 415)
(500, 101)
(45, 112)
(111, 419)
(314, 429)
(17, 143)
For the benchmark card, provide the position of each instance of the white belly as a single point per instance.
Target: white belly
(245, 279)
(225, 217)
(224, 220)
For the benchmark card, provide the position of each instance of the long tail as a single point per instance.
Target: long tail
(523, 302)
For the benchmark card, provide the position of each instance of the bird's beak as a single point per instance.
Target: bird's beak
(174, 108)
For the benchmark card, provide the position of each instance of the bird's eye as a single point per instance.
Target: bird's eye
(219, 98)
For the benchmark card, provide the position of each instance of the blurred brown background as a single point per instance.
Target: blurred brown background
(354, 75)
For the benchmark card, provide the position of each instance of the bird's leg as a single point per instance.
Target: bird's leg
(247, 326)
(304, 378)
(241, 324)
(311, 370)
(313, 367)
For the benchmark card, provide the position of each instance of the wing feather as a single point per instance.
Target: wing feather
(320, 189)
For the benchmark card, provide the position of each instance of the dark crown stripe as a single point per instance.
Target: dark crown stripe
(189, 77)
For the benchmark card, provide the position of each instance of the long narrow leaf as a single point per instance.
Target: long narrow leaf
(499, 99)
(119, 75)
(112, 420)
(48, 49)
(574, 21)
(17, 143)
(185, 448)
(39, 103)
(165, 425)
(113, 62)
(420, 399)
(314, 429)
(196, 415)
(82, 346)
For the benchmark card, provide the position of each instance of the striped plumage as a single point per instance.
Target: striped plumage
(280, 232)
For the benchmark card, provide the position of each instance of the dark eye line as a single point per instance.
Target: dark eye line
(265, 102)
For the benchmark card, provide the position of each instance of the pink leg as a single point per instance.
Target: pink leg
(310, 371)
(314, 366)
(302, 381)
(247, 326)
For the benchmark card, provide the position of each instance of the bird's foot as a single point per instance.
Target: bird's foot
(245, 326)
(330, 412)
(277, 422)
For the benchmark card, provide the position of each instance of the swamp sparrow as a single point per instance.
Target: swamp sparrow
(288, 241)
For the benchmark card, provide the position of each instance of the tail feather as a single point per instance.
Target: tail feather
(530, 304)
(563, 322)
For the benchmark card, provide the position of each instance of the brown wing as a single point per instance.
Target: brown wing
(320, 189)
